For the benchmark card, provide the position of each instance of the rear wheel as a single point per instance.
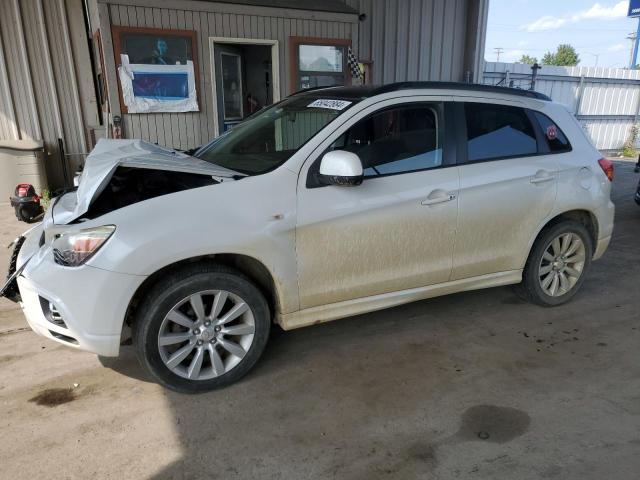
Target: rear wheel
(557, 264)
(201, 328)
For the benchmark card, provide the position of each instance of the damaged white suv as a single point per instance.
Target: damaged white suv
(331, 203)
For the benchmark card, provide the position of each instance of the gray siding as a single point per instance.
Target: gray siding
(43, 83)
(188, 130)
(409, 40)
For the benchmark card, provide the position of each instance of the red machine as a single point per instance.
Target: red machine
(26, 203)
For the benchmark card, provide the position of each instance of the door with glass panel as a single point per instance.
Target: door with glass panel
(230, 83)
(396, 230)
(508, 183)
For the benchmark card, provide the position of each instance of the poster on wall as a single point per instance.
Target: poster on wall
(157, 68)
(149, 88)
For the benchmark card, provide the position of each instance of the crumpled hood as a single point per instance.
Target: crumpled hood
(109, 155)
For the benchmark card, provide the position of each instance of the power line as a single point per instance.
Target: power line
(498, 51)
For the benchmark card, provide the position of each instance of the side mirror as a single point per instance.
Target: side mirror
(342, 168)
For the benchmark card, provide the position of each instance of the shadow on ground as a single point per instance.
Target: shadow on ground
(476, 385)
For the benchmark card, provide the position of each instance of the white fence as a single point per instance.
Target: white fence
(605, 100)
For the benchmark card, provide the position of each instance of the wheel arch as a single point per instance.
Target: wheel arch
(249, 266)
(587, 218)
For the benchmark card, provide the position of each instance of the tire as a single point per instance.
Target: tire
(536, 286)
(174, 299)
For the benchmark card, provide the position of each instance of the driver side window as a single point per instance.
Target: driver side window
(396, 140)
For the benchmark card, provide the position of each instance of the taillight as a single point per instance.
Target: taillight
(607, 168)
(22, 191)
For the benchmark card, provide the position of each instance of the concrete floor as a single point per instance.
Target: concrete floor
(475, 385)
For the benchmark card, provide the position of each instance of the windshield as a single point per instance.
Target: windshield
(269, 138)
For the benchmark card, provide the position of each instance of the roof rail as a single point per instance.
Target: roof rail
(311, 89)
(472, 87)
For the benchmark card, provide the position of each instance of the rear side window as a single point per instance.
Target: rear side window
(555, 138)
(396, 140)
(498, 131)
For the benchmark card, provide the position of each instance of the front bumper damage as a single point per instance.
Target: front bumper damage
(10, 289)
(82, 307)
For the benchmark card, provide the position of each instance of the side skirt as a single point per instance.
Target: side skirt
(348, 308)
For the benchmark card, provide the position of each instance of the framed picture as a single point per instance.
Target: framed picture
(157, 47)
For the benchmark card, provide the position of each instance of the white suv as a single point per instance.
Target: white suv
(331, 203)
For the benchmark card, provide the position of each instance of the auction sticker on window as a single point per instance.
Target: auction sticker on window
(329, 103)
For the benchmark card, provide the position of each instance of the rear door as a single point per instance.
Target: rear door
(508, 184)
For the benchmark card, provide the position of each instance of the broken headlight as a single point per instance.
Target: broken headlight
(74, 248)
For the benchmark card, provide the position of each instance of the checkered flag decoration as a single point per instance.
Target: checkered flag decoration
(353, 64)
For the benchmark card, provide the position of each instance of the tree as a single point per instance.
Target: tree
(565, 55)
(528, 60)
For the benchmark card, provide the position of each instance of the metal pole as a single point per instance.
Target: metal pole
(634, 57)
(579, 93)
(534, 74)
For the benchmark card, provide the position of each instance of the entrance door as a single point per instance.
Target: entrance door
(230, 81)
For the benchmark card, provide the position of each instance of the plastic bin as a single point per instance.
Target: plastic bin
(21, 161)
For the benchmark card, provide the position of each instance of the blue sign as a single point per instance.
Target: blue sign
(634, 8)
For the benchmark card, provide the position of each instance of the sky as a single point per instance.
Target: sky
(597, 30)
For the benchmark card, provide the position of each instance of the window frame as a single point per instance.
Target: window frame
(118, 30)
(543, 136)
(449, 140)
(294, 60)
(461, 128)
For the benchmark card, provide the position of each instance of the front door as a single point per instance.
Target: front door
(230, 83)
(395, 231)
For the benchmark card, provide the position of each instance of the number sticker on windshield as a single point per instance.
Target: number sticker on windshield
(330, 104)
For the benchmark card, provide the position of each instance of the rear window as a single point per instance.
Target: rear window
(555, 138)
(498, 131)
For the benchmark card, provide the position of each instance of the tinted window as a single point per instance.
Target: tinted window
(554, 137)
(270, 137)
(396, 140)
(498, 131)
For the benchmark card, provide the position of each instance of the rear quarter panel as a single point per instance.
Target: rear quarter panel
(582, 185)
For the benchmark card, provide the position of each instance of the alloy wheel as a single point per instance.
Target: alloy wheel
(562, 264)
(206, 334)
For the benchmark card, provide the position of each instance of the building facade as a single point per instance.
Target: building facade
(62, 61)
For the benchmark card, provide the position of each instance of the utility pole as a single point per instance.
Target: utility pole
(596, 55)
(498, 51)
(632, 36)
(634, 55)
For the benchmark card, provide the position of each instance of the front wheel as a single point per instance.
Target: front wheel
(557, 264)
(201, 328)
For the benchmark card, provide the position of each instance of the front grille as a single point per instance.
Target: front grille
(14, 255)
(12, 292)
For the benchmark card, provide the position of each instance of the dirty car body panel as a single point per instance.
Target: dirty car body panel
(425, 223)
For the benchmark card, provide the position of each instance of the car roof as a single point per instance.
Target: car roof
(362, 92)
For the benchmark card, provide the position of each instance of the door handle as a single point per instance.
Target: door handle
(542, 176)
(438, 197)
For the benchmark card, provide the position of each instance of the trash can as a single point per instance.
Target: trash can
(21, 161)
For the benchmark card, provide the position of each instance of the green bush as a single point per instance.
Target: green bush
(45, 199)
(629, 148)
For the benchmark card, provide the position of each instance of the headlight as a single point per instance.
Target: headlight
(74, 248)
